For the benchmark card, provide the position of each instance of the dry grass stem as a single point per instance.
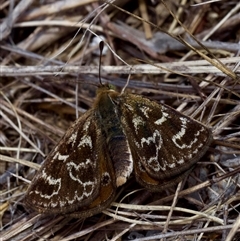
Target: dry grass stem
(181, 53)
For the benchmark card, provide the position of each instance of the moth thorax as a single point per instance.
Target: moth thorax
(121, 158)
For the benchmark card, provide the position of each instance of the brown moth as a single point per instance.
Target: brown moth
(121, 134)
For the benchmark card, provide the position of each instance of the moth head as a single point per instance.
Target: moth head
(105, 87)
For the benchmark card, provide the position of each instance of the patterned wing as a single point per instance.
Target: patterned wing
(164, 144)
(107, 188)
(74, 172)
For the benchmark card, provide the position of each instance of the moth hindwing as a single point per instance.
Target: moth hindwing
(120, 135)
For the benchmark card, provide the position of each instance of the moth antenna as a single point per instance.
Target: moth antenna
(101, 45)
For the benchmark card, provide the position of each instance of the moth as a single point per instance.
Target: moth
(122, 134)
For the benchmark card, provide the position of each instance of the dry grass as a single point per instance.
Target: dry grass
(48, 65)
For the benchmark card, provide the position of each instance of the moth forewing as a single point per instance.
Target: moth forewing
(107, 188)
(164, 143)
(69, 177)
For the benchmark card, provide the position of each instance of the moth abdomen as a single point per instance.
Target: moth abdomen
(121, 157)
